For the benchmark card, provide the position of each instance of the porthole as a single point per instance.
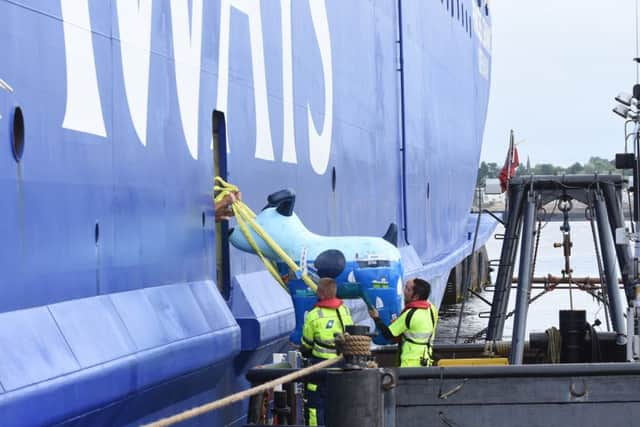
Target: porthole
(333, 179)
(17, 134)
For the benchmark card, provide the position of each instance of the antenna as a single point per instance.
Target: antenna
(637, 58)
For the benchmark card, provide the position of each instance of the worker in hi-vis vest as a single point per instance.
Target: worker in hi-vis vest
(416, 325)
(327, 318)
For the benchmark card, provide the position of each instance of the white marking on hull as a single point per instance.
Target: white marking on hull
(320, 142)
(83, 111)
(83, 104)
(289, 144)
(251, 8)
(483, 64)
(187, 52)
(5, 86)
(482, 29)
(223, 63)
(134, 22)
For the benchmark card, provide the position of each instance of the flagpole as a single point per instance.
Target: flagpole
(509, 162)
(511, 149)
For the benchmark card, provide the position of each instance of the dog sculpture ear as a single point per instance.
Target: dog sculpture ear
(330, 263)
(391, 235)
(283, 201)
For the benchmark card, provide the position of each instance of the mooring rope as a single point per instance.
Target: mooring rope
(350, 345)
(211, 406)
(354, 345)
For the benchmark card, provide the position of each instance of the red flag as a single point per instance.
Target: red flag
(510, 165)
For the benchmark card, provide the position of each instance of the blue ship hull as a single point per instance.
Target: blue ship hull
(111, 311)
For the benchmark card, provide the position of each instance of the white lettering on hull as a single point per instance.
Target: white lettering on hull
(83, 105)
(134, 23)
(223, 63)
(251, 8)
(320, 142)
(83, 111)
(289, 143)
(187, 45)
(482, 30)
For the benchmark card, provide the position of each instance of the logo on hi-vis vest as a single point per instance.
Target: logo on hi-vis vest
(330, 324)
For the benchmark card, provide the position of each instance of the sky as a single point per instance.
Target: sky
(556, 67)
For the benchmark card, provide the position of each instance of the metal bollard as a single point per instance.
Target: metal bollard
(355, 398)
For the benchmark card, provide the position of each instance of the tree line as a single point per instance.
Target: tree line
(595, 164)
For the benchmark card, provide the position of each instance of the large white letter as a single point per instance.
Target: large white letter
(320, 142)
(134, 22)
(264, 146)
(223, 58)
(289, 144)
(187, 50)
(84, 111)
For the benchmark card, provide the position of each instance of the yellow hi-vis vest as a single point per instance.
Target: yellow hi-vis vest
(320, 325)
(417, 327)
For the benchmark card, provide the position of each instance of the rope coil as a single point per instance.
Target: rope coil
(354, 345)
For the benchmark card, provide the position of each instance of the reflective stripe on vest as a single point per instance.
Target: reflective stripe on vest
(418, 337)
(307, 342)
(330, 344)
(326, 323)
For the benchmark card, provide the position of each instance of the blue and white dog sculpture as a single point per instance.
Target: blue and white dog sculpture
(364, 267)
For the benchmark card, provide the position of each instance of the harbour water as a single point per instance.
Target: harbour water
(543, 313)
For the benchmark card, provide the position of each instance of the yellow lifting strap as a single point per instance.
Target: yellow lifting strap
(246, 218)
